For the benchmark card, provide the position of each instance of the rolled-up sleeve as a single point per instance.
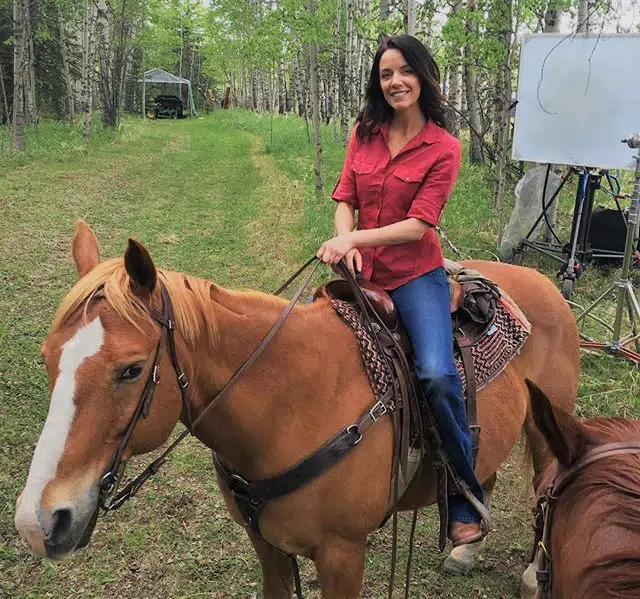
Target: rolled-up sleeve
(433, 193)
(345, 189)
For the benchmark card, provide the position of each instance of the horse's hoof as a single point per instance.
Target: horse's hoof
(462, 559)
(457, 567)
(529, 585)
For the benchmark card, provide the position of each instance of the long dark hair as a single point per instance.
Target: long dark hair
(377, 110)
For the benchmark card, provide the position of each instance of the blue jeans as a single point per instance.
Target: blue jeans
(423, 305)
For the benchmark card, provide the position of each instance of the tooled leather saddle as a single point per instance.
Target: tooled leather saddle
(473, 308)
(489, 330)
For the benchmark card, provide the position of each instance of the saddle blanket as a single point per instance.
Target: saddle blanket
(492, 351)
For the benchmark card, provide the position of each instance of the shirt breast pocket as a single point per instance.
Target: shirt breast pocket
(404, 185)
(365, 179)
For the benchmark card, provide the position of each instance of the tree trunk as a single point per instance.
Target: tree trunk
(552, 20)
(289, 93)
(71, 113)
(315, 110)
(300, 88)
(455, 96)
(350, 61)
(345, 65)
(583, 16)
(86, 73)
(108, 83)
(502, 101)
(5, 114)
(410, 16)
(473, 105)
(266, 91)
(19, 64)
(282, 87)
(308, 114)
(254, 91)
(324, 97)
(144, 85)
(551, 25)
(31, 113)
(384, 10)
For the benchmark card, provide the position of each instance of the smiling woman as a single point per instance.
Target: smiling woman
(400, 169)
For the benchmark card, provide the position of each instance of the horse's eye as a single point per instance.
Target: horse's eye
(130, 373)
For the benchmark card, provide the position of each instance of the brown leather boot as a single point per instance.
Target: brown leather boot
(462, 533)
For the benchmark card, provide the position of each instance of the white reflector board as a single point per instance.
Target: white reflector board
(578, 96)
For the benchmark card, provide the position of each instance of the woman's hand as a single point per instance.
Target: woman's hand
(353, 260)
(333, 250)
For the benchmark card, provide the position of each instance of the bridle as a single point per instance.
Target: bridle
(109, 497)
(547, 503)
(109, 480)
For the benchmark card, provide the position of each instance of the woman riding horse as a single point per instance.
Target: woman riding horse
(307, 384)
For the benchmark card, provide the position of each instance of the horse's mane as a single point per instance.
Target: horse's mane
(609, 430)
(614, 576)
(613, 485)
(190, 297)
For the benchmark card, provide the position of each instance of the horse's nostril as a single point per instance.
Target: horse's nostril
(62, 520)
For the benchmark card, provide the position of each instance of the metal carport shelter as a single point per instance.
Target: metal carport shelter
(160, 76)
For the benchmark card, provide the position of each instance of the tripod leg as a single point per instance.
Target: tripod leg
(634, 315)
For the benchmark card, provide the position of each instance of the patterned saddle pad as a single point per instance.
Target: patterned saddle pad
(492, 350)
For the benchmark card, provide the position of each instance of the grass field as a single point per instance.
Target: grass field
(218, 198)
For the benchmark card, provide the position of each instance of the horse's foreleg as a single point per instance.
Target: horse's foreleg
(462, 559)
(277, 577)
(340, 565)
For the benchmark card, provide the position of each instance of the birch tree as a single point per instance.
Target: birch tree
(87, 79)
(20, 12)
(470, 80)
(315, 108)
(503, 13)
(409, 16)
(29, 78)
(65, 65)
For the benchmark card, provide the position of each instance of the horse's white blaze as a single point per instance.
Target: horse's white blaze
(85, 343)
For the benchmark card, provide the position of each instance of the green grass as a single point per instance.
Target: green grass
(218, 198)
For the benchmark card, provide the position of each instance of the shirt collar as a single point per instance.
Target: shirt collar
(429, 134)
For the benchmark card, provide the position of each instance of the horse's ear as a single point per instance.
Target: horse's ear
(85, 250)
(563, 432)
(140, 268)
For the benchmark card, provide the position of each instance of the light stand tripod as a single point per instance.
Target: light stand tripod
(626, 296)
(577, 250)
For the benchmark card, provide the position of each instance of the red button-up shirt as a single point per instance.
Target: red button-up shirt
(416, 183)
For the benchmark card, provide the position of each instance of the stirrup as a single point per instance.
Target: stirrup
(481, 508)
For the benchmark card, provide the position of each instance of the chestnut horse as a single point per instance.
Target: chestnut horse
(307, 385)
(595, 529)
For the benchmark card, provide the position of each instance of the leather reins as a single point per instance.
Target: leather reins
(547, 503)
